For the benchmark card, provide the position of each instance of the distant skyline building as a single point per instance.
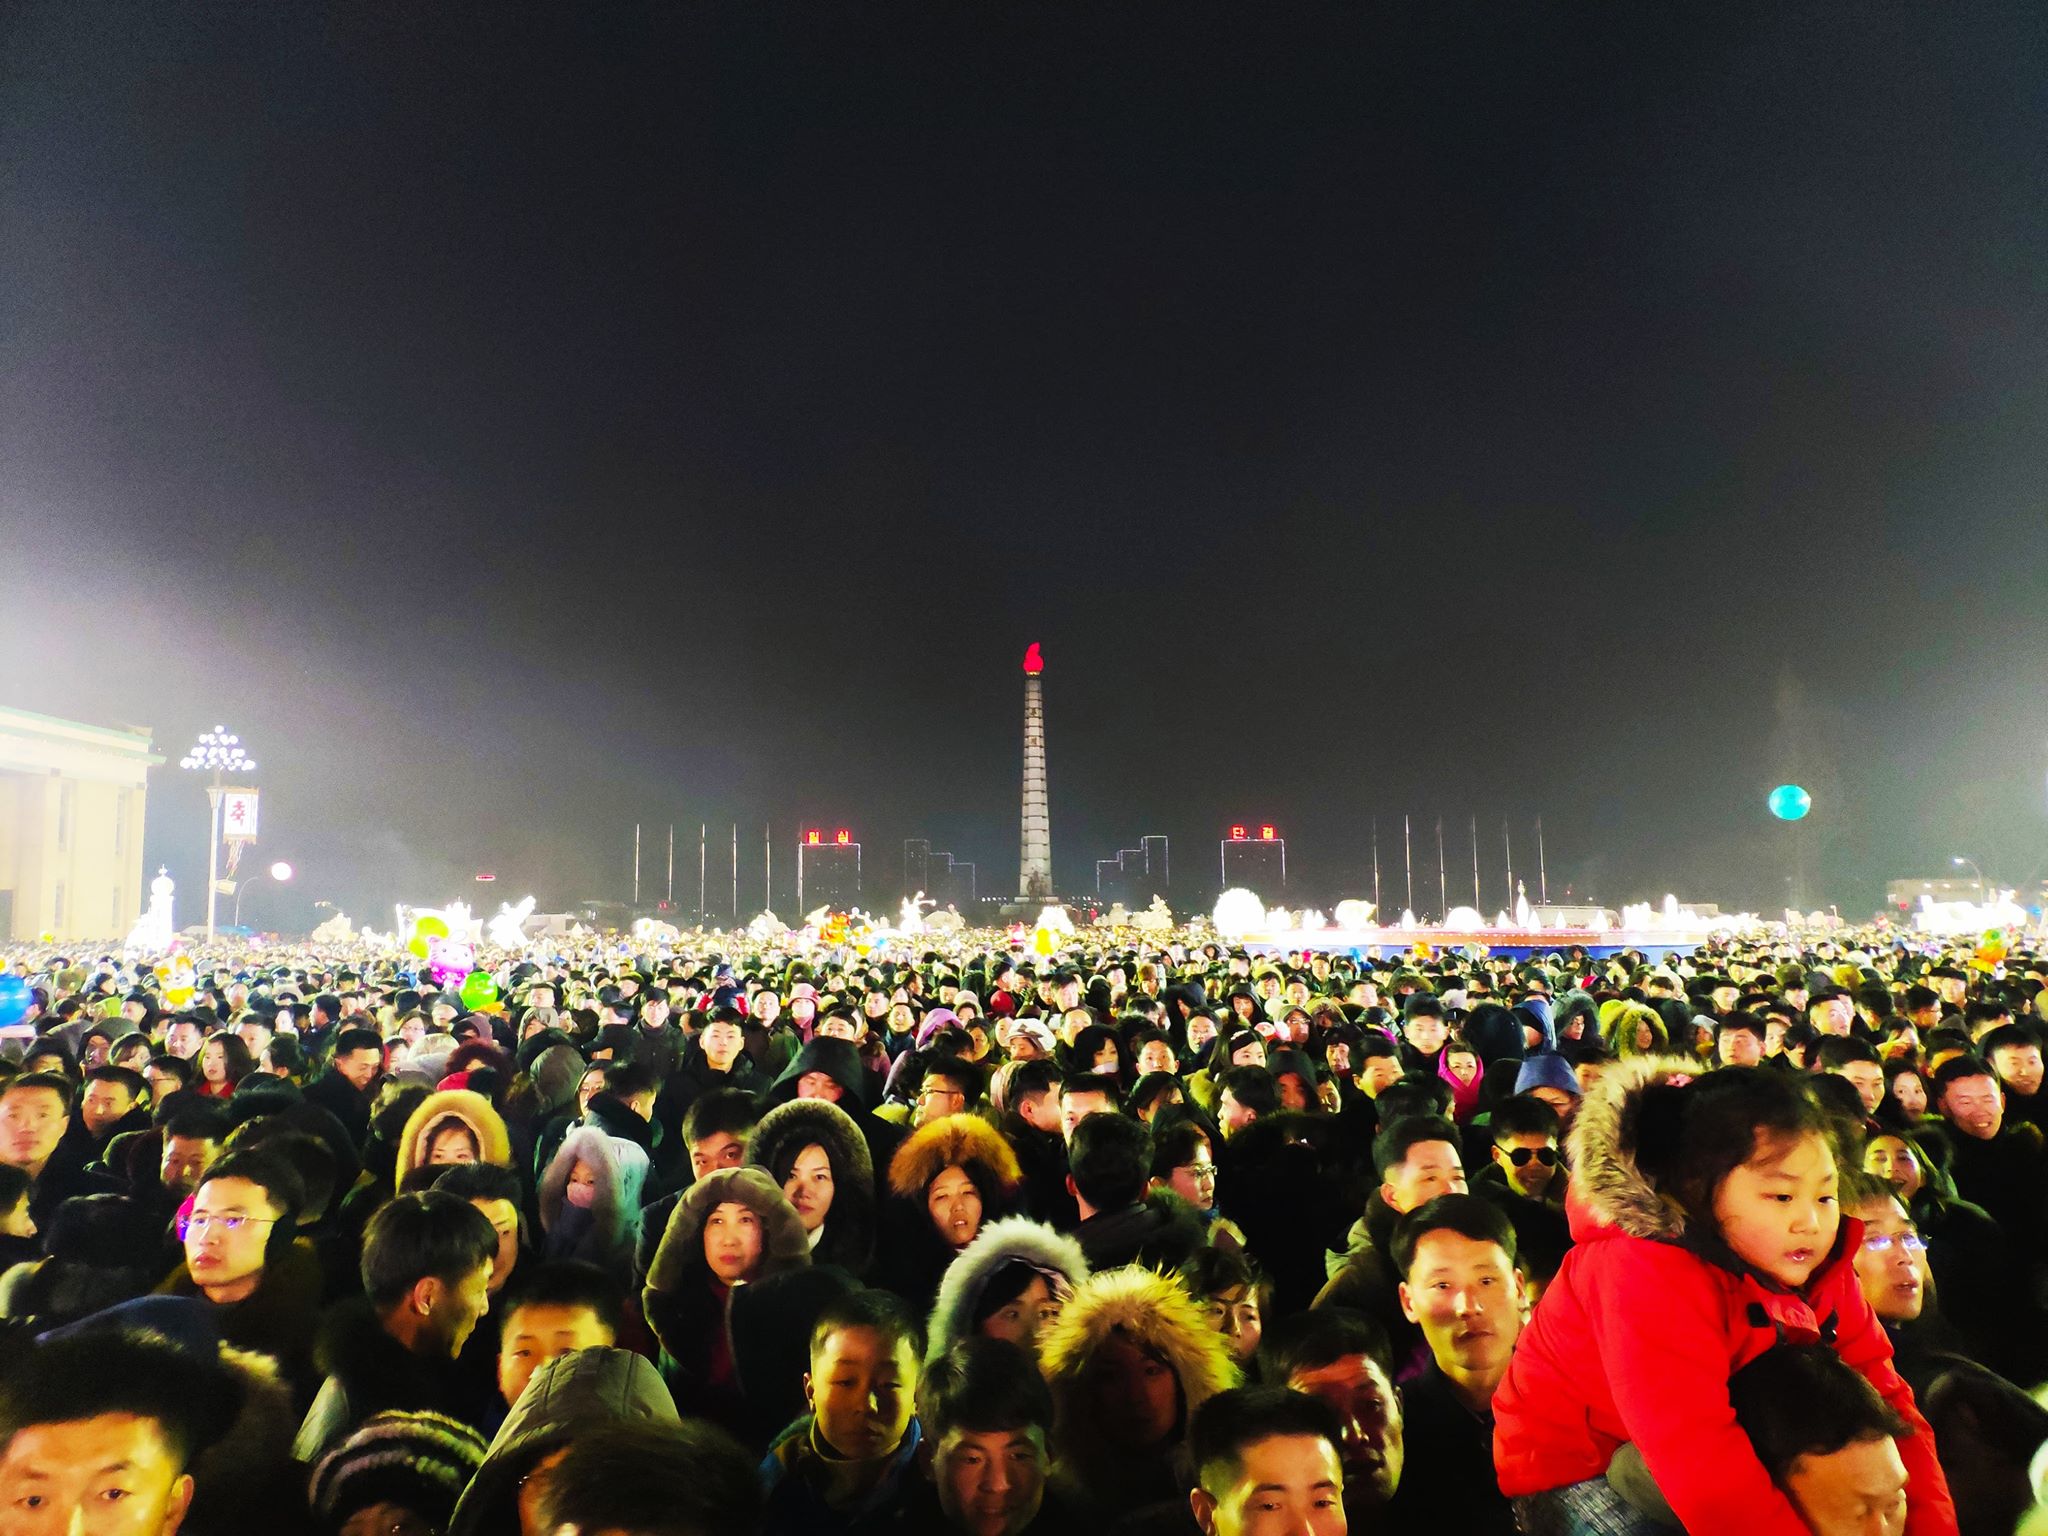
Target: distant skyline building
(1034, 875)
(1157, 867)
(944, 880)
(827, 871)
(1256, 860)
(1135, 875)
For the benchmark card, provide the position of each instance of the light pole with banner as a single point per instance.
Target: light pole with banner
(220, 754)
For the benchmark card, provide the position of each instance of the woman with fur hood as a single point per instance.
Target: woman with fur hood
(589, 1197)
(952, 1175)
(453, 1126)
(1129, 1360)
(812, 1148)
(1707, 1230)
(732, 1227)
(1009, 1283)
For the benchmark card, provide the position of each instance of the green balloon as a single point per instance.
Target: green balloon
(478, 990)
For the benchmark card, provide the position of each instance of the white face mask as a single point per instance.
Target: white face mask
(581, 1195)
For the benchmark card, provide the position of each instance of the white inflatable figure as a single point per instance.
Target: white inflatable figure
(1115, 917)
(1055, 920)
(1961, 917)
(1463, 919)
(1407, 919)
(335, 930)
(911, 918)
(1671, 910)
(1237, 912)
(766, 925)
(1354, 914)
(1523, 911)
(651, 930)
(1313, 919)
(1157, 918)
(154, 930)
(818, 918)
(508, 929)
(948, 921)
(372, 939)
(1279, 919)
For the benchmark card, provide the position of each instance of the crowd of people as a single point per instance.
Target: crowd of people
(1146, 1235)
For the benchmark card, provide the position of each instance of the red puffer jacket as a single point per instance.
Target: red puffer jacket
(1636, 1339)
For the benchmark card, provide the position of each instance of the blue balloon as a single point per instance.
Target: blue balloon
(14, 1000)
(1789, 802)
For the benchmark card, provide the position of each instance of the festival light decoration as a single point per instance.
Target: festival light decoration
(1789, 802)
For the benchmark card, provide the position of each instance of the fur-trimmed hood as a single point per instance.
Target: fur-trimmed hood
(952, 1141)
(1014, 1238)
(680, 1258)
(848, 1239)
(1157, 1316)
(493, 1141)
(1607, 1183)
(621, 1169)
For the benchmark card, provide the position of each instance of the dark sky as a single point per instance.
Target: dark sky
(517, 424)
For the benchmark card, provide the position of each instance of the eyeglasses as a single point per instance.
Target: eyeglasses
(1520, 1156)
(941, 1093)
(1884, 1242)
(190, 1225)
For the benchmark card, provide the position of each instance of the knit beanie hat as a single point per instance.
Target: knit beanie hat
(418, 1461)
(1547, 1069)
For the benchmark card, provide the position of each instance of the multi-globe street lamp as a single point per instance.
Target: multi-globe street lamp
(219, 754)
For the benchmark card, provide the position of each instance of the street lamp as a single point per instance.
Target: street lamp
(280, 872)
(220, 754)
(1982, 889)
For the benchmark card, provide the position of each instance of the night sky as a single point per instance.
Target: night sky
(520, 423)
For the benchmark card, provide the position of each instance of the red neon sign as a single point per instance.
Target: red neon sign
(811, 839)
(1265, 834)
(1237, 834)
(842, 837)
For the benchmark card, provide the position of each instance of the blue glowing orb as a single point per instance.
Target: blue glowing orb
(1789, 802)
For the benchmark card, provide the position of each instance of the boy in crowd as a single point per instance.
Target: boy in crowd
(847, 1465)
(985, 1416)
(556, 1308)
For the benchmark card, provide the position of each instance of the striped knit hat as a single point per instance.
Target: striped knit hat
(418, 1461)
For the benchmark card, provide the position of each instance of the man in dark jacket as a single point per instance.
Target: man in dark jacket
(427, 1262)
(717, 1058)
(1110, 1163)
(343, 1090)
(1996, 1166)
(35, 1114)
(1456, 1257)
